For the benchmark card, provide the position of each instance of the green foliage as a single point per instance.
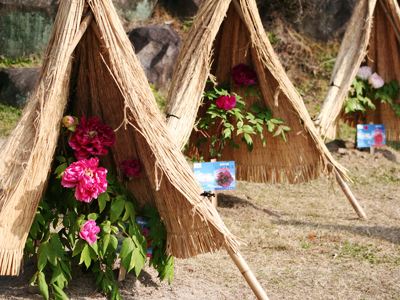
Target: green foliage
(236, 122)
(19, 62)
(114, 211)
(161, 99)
(9, 116)
(363, 96)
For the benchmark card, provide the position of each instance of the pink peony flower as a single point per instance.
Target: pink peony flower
(376, 81)
(91, 138)
(89, 180)
(89, 231)
(224, 179)
(364, 72)
(131, 168)
(243, 75)
(226, 102)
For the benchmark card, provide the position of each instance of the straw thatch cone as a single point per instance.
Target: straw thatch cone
(103, 81)
(224, 34)
(372, 38)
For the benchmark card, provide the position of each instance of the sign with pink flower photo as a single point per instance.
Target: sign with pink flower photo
(216, 176)
(371, 135)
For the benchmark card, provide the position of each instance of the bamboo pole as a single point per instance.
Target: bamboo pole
(396, 31)
(96, 31)
(82, 29)
(214, 199)
(345, 188)
(247, 274)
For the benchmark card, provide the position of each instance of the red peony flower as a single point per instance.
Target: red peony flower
(226, 102)
(89, 180)
(243, 75)
(131, 168)
(91, 138)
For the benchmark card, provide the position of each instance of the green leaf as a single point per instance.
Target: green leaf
(95, 247)
(248, 139)
(93, 216)
(277, 121)
(43, 287)
(78, 247)
(61, 168)
(33, 279)
(57, 245)
(129, 212)
(29, 246)
(60, 292)
(65, 268)
(227, 133)
(44, 253)
(270, 126)
(127, 247)
(116, 210)
(61, 158)
(102, 199)
(113, 242)
(105, 242)
(59, 277)
(278, 132)
(286, 128)
(87, 255)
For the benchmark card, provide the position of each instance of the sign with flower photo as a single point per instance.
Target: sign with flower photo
(371, 135)
(216, 176)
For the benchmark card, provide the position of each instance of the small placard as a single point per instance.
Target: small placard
(371, 135)
(144, 224)
(215, 176)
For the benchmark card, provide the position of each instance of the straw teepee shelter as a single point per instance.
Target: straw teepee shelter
(372, 38)
(90, 64)
(224, 34)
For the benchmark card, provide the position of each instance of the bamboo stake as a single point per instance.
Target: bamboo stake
(96, 31)
(82, 29)
(213, 199)
(238, 9)
(247, 274)
(396, 31)
(345, 188)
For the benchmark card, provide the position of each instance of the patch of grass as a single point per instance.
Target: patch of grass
(32, 61)
(161, 98)
(8, 118)
(394, 145)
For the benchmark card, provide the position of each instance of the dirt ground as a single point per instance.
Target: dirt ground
(319, 249)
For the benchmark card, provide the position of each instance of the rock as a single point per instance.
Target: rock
(182, 8)
(135, 9)
(26, 25)
(17, 85)
(157, 48)
(335, 145)
(319, 20)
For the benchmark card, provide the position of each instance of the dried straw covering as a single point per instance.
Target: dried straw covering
(372, 38)
(104, 81)
(224, 34)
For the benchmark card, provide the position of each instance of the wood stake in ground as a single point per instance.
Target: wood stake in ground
(353, 201)
(247, 274)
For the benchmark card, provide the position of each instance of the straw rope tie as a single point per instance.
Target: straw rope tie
(171, 115)
(207, 194)
(333, 84)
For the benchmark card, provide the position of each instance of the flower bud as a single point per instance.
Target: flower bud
(68, 121)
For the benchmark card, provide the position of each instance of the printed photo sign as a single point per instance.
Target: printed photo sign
(216, 176)
(371, 135)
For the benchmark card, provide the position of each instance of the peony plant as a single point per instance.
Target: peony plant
(228, 115)
(85, 209)
(366, 89)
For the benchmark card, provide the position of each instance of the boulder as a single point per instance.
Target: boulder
(17, 85)
(318, 20)
(182, 8)
(157, 48)
(26, 25)
(135, 9)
